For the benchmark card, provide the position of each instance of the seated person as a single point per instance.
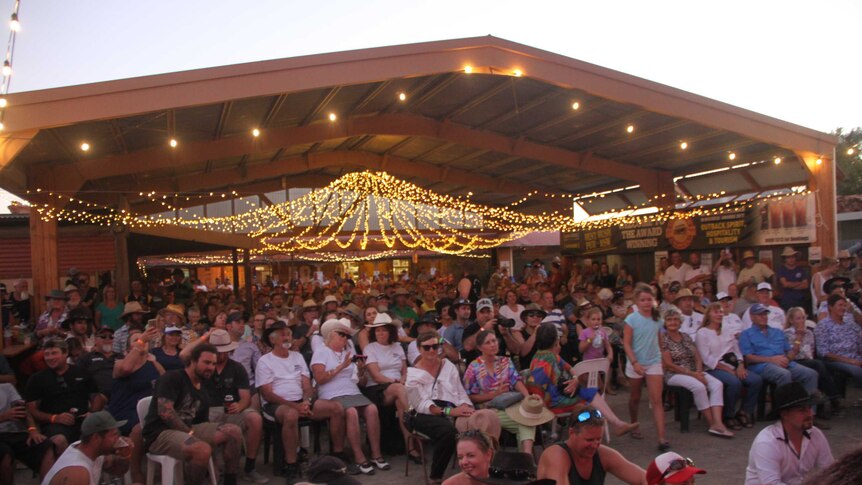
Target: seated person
(839, 342)
(768, 353)
(99, 451)
(775, 316)
(99, 363)
(20, 439)
(475, 452)
(59, 396)
(169, 354)
(801, 338)
(286, 394)
(545, 371)
(429, 322)
(176, 423)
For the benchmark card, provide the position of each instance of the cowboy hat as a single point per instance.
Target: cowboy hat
(176, 309)
(531, 411)
(309, 304)
(834, 282)
(532, 307)
(278, 325)
(748, 254)
(56, 295)
(683, 293)
(328, 299)
(788, 251)
(336, 325)
(793, 395)
(384, 319)
(220, 339)
(132, 307)
(70, 287)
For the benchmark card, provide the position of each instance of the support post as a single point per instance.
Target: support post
(246, 267)
(43, 259)
(821, 181)
(122, 274)
(234, 258)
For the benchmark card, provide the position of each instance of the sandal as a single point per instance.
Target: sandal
(744, 419)
(721, 433)
(636, 434)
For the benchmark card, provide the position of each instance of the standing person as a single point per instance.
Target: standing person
(176, 422)
(99, 451)
(793, 280)
(108, 310)
(753, 272)
(583, 459)
(678, 269)
(99, 363)
(684, 368)
(786, 451)
(698, 274)
(641, 344)
(725, 271)
(719, 349)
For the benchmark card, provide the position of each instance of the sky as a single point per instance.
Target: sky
(792, 60)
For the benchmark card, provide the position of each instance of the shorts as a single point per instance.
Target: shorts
(16, 445)
(72, 433)
(170, 441)
(651, 370)
(217, 415)
(353, 401)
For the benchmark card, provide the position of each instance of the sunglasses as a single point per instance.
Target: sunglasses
(677, 465)
(343, 334)
(534, 314)
(588, 415)
(430, 347)
(518, 474)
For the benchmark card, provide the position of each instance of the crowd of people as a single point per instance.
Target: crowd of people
(464, 363)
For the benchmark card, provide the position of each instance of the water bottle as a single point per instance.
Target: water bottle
(597, 340)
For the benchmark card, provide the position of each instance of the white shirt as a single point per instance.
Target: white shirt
(692, 271)
(732, 324)
(73, 457)
(672, 273)
(690, 324)
(772, 459)
(422, 389)
(515, 315)
(712, 346)
(724, 277)
(284, 373)
(412, 353)
(342, 383)
(389, 358)
(776, 318)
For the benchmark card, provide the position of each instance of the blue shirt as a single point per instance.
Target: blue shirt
(792, 297)
(754, 342)
(453, 335)
(645, 338)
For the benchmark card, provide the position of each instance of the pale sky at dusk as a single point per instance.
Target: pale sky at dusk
(793, 60)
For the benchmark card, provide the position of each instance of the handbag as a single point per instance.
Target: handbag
(730, 359)
(502, 401)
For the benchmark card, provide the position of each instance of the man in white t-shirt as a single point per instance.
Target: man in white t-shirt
(777, 317)
(284, 382)
(678, 270)
(698, 273)
(691, 319)
(731, 321)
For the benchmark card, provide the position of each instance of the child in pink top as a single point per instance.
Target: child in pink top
(594, 339)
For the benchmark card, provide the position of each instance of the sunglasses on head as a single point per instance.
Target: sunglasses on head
(588, 415)
(430, 347)
(677, 465)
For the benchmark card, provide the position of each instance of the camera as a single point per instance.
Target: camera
(506, 322)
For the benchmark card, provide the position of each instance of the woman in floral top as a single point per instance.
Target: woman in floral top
(546, 370)
(684, 368)
(491, 375)
(801, 338)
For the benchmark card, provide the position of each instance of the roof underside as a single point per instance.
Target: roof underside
(455, 132)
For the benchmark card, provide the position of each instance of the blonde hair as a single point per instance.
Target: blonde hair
(707, 319)
(644, 288)
(791, 312)
(592, 310)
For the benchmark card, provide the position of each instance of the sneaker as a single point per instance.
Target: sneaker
(254, 477)
(367, 468)
(291, 471)
(381, 463)
(353, 469)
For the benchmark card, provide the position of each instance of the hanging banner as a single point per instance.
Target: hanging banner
(787, 221)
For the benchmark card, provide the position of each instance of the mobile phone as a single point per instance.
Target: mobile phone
(359, 357)
(151, 322)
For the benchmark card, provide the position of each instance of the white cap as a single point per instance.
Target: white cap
(721, 296)
(484, 303)
(764, 286)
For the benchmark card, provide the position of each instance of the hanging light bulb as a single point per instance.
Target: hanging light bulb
(332, 117)
(85, 147)
(630, 128)
(851, 151)
(576, 106)
(3, 102)
(173, 143)
(468, 69)
(819, 161)
(7, 69)
(255, 133)
(731, 156)
(402, 96)
(683, 145)
(14, 24)
(777, 160)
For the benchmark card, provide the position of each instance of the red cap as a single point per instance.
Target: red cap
(662, 463)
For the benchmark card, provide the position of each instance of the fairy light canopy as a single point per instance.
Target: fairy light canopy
(503, 125)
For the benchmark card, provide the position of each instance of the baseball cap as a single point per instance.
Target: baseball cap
(722, 296)
(671, 467)
(98, 422)
(764, 286)
(484, 303)
(173, 329)
(758, 309)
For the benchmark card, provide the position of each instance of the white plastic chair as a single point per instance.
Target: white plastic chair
(172, 469)
(594, 367)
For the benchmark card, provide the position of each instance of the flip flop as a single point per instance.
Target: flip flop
(636, 434)
(720, 433)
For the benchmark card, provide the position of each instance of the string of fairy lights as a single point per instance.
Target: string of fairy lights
(6, 70)
(360, 208)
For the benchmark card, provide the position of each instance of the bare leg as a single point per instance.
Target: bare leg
(48, 460)
(351, 418)
(527, 447)
(655, 385)
(197, 454)
(620, 426)
(372, 427)
(254, 423)
(331, 410)
(229, 436)
(60, 444)
(397, 393)
(137, 455)
(289, 419)
(635, 397)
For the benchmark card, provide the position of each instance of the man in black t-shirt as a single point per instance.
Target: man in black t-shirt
(99, 364)
(176, 422)
(60, 396)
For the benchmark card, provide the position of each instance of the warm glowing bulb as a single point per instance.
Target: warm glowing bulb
(1, 126)
(255, 133)
(517, 73)
(819, 161)
(85, 146)
(683, 145)
(402, 96)
(576, 106)
(777, 160)
(14, 24)
(731, 156)
(173, 142)
(851, 151)
(468, 69)
(7, 69)
(630, 128)
(3, 102)
(332, 117)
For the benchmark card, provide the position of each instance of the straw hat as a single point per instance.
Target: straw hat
(748, 254)
(683, 293)
(384, 319)
(336, 325)
(531, 411)
(176, 309)
(308, 304)
(788, 251)
(220, 339)
(328, 299)
(132, 307)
